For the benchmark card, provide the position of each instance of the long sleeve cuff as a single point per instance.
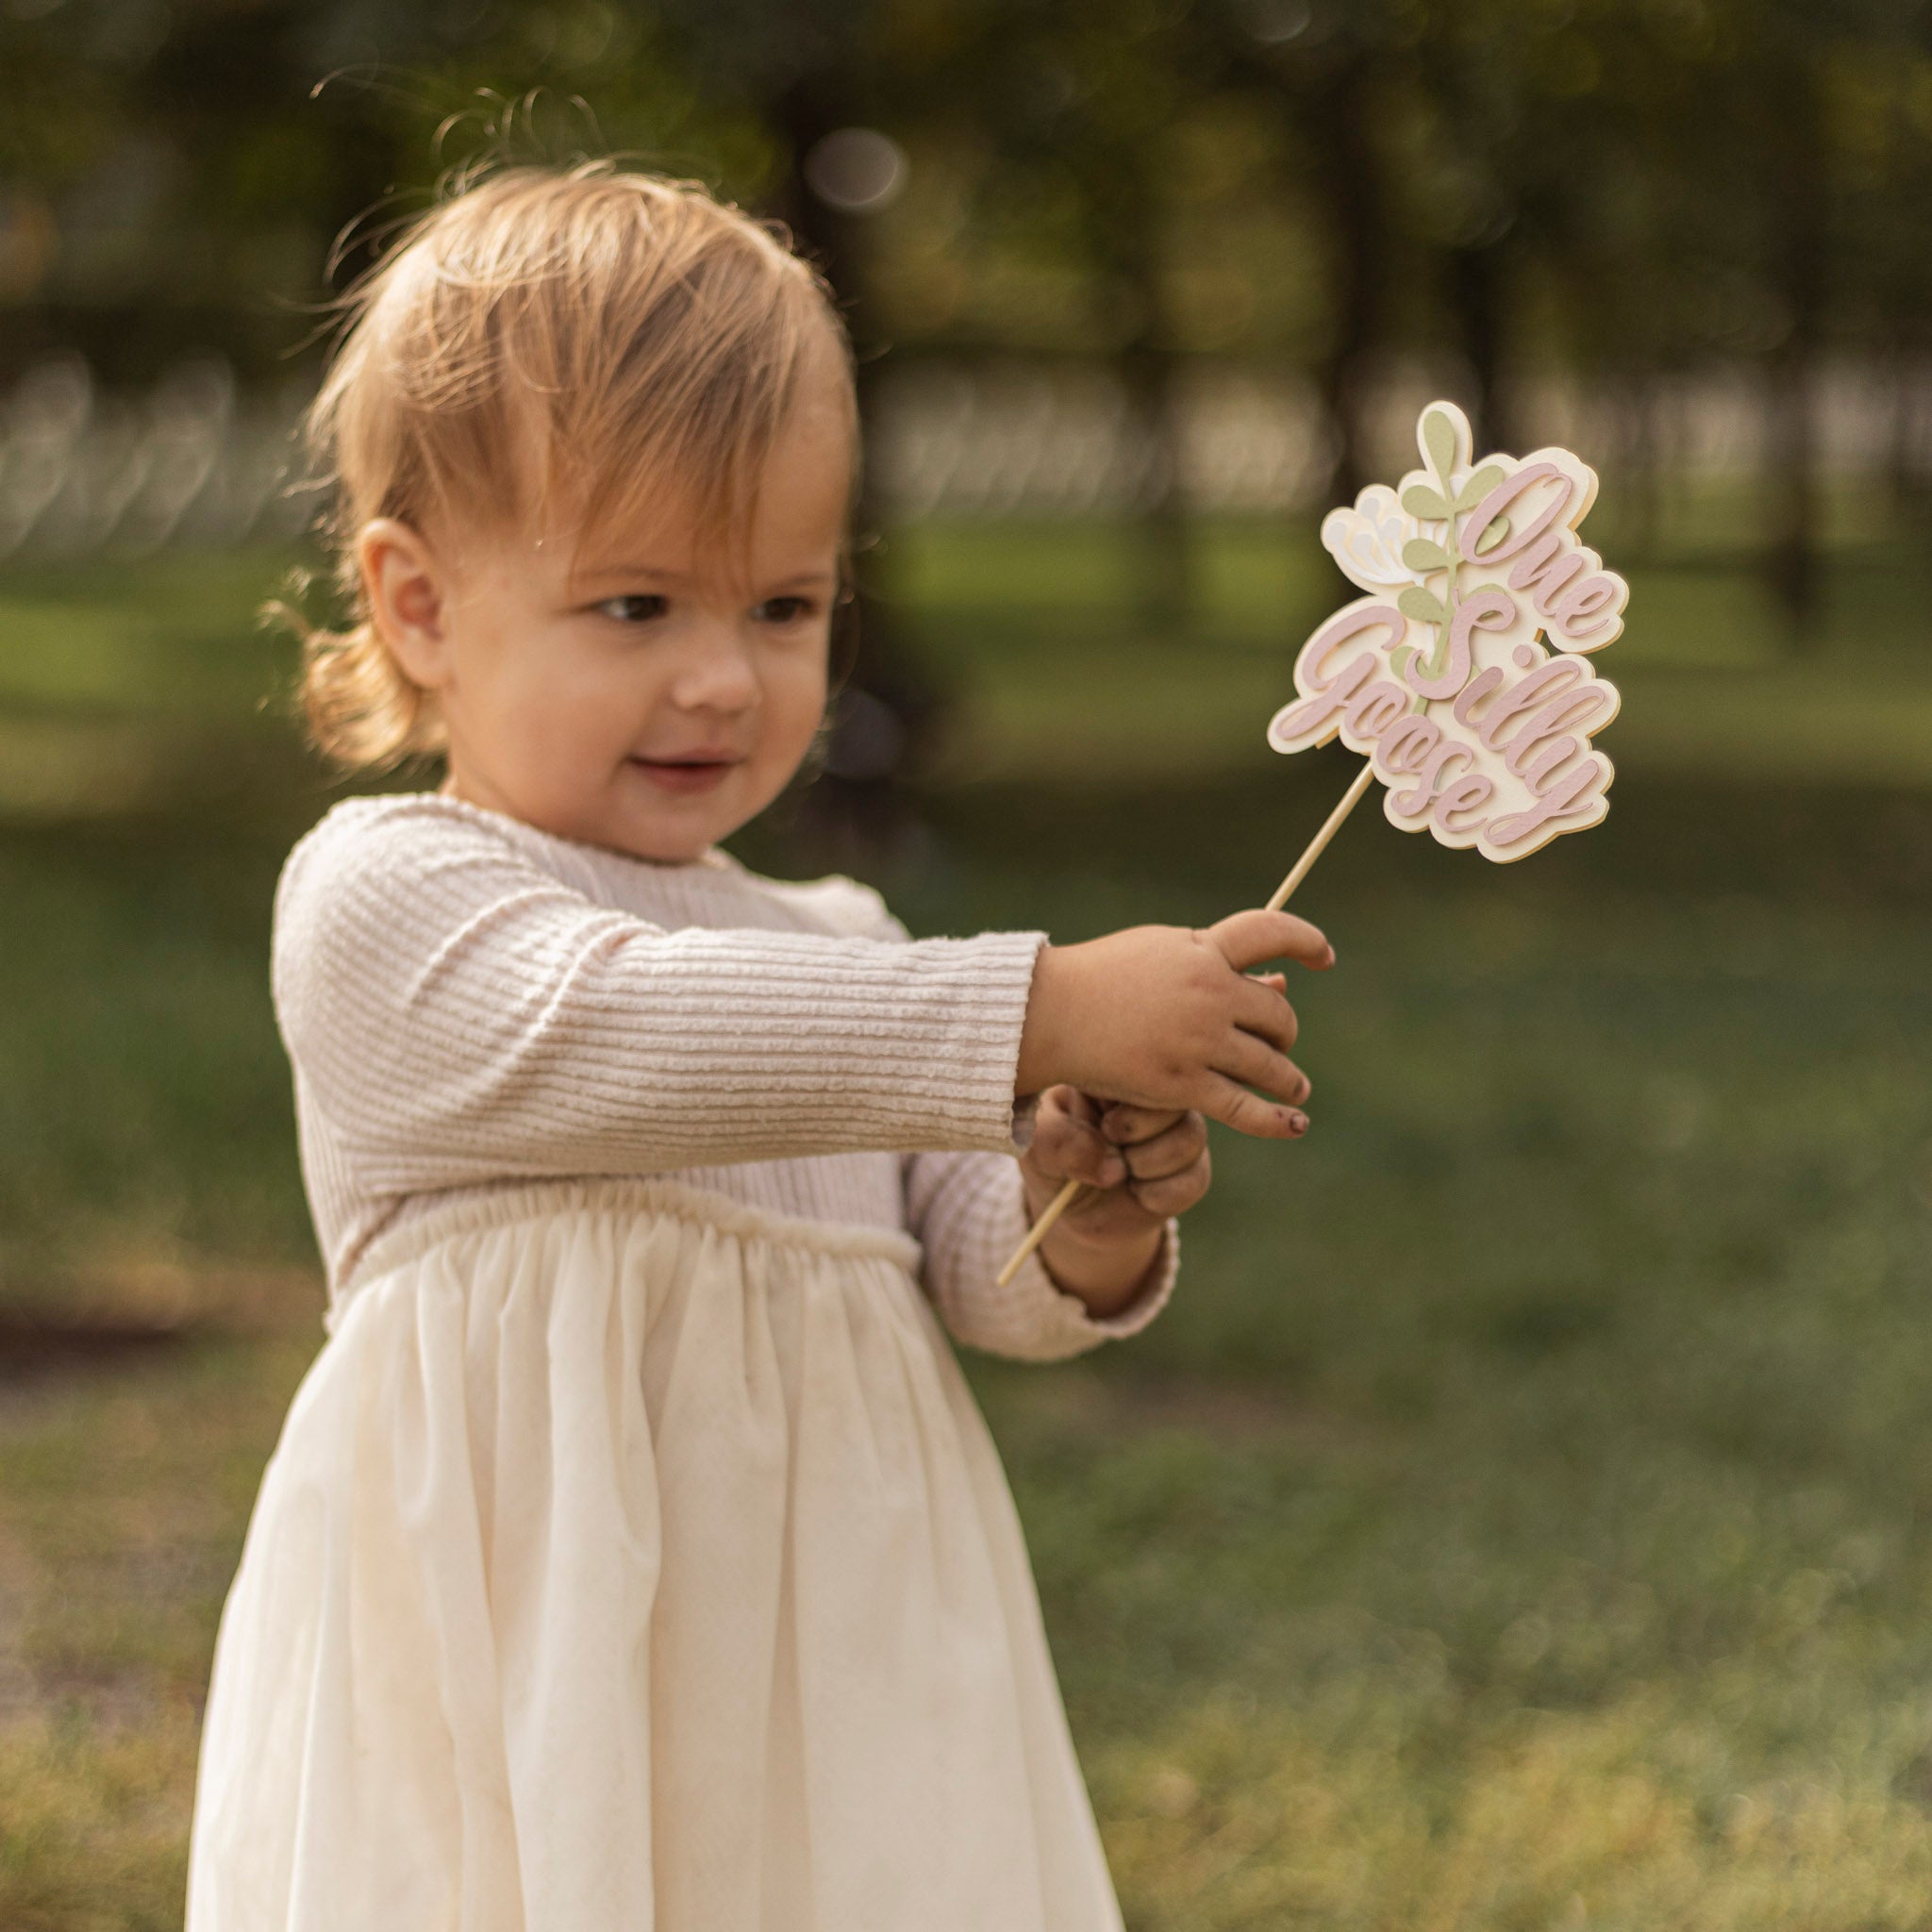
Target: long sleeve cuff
(1032, 1318)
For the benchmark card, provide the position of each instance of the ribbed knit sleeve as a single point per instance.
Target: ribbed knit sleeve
(969, 1213)
(460, 1013)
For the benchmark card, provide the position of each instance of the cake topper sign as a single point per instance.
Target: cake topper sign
(1441, 677)
(1463, 677)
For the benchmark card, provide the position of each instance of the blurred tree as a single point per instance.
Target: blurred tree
(1329, 70)
(1084, 96)
(1629, 189)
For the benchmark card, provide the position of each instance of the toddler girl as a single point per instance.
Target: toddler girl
(634, 1555)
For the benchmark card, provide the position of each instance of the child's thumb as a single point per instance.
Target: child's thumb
(1071, 1148)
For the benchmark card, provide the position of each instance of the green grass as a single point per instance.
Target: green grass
(134, 685)
(143, 1100)
(1517, 1520)
(1522, 1504)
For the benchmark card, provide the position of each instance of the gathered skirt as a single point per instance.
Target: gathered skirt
(634, 1561)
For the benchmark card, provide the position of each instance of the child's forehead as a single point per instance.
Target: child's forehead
(677, 548)
(790, 517)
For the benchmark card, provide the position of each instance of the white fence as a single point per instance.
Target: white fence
(196, 460)
(190, 461)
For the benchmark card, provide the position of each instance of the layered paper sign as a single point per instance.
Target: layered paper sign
(1464, 675)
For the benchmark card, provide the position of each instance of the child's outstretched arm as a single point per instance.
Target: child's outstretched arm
(459, 1014)
(1162, 1024)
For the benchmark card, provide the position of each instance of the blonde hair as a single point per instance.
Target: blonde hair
(581, 338)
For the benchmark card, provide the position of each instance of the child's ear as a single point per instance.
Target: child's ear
(403, 589)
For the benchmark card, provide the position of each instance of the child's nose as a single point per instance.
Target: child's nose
(719, 674)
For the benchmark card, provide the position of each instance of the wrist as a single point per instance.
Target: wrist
(1106, 1271)
(1042, 1048)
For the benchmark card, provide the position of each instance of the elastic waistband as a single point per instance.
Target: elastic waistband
(616, 1195)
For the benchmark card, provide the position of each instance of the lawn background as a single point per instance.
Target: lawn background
(1515, 1521)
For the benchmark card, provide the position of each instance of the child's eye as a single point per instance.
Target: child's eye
(632, 610)
(787, 609)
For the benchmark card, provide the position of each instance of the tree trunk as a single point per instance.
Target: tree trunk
(1336, 116)
(1800, 224)
(1161, 538)
(882, 733)
(1904, 468)
(1638, 458)
(1475, 297)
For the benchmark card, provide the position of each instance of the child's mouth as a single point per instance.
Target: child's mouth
(684, 776)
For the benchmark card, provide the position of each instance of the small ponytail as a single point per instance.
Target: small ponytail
(360, 711)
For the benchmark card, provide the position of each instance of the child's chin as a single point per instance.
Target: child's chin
(679, 842)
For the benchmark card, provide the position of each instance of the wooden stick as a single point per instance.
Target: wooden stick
(1319, 843)
(1303, 866)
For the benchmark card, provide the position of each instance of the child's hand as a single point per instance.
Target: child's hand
(1140, 1165)
(1169, 1020)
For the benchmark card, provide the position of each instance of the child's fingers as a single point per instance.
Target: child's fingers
(1170, 1152)
(1252, 939)
(1067, 1142)
(1174, 1193)
(1266, 1013)
(1255, 1063)
(1229, 1102)
(1124, 1123)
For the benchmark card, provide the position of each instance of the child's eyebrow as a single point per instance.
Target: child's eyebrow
(634, 571)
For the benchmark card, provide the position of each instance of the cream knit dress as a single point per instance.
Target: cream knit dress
(633, 1558)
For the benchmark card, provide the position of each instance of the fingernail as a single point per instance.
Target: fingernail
(1297, 1123)
(1113, 1171)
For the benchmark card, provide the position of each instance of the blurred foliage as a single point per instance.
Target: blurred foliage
(1621, 183)
(1623, 188)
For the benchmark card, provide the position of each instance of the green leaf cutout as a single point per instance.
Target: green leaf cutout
(1498, 529)
(1420, 554)
(1439, 438)
(1398, 660)
(1421, 605)
(1479, 484)
(1422, 502)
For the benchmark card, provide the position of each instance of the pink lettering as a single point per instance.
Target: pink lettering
(1536, 688)
(1482, 736)
(1581, 602)
(1461, 796)
(1407, 749)
(1570, 711)
(1569, 803)
(1413, 803)
(1321, 712)
(1488, 610)
(1481, 685)
(1556, 754)
(1374, 708)
(1502, 496)
(1344, 627)
(1543, 568)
